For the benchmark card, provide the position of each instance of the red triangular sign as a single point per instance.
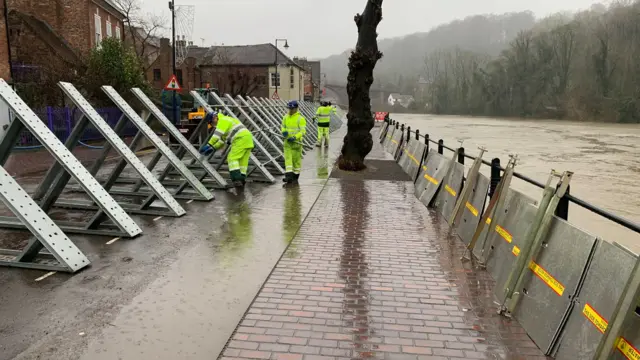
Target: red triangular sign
(275, 96)
(173, 84)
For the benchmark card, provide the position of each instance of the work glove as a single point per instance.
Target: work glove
(314, 119)
(285, 133)
(206, 149)
(291, 139)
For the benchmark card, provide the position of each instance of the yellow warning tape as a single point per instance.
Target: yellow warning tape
(424, 168)
(541, 273)
(488, 221)
(450, 190)
(628, 350)
(504, 233)
(515, 251)
(410, 155)
(431, 180)
(473, 210)
(596, 319)
(394, 141)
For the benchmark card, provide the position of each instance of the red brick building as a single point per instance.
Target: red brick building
(4, 48)
(50, 40)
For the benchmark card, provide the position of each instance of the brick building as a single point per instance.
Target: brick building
(246, 69)
(311, 78)
(4, 48)
(50, 40)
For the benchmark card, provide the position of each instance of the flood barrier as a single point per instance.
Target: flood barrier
(69, 185)
(577, 297)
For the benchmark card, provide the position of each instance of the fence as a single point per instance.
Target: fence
(576, 295)
(62, 120)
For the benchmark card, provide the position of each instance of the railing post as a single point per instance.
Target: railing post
(397, 125)
(402, 128)
(417, 134)
(562, 211)
(440, 146)
(461, 155)
(408, 133)
(495, 176)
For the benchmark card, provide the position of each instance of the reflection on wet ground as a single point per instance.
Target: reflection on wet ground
(177, 292)
(604, 158)
(376, 275)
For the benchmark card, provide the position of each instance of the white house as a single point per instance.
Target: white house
(403, 100)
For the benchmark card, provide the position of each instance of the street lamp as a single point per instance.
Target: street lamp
(286, 46)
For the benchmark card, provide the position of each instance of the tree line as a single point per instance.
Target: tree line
(580, 67)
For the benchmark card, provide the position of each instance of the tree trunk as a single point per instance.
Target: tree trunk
(358, 141)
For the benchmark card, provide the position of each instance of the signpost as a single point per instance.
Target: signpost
(173, 85)
(275, 96)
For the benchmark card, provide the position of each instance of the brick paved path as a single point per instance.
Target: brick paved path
(372, 273)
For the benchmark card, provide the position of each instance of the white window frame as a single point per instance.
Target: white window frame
(272, 77)
(98, 28)
(109, 28)
(118, 34)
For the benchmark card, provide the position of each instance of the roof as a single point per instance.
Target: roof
(49, 36)
(111, 6)
(256, 55)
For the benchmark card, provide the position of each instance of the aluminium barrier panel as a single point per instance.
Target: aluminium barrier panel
(507, 236)
(429, 181)
(387, 137)
(451, 186)
(473, 209)
(552, 281)
(403, 159)
(382, 132)
(628, 346)
(394, 142)
(411, 157)
(604, 282)
(496, 230)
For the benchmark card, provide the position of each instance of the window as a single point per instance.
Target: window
(118, 35)
(292, 78)
(157, 75)
(179, 76)
(275, 80)
(98, 27)
(109, 28)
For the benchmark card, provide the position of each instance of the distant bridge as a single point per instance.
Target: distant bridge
(338, 95)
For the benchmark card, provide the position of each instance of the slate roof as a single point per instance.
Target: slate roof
(254, 55)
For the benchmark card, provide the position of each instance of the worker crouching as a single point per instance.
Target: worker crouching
(230, 130)
(294, 128)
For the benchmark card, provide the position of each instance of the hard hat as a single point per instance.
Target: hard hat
(292, 104)
(210, 116)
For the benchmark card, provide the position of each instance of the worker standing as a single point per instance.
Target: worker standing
(294, 128)
(323, 116)
(230, 130)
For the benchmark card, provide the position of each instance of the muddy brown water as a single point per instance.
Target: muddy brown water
(605, 159)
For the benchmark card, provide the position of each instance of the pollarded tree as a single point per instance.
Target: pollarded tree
(358, 141)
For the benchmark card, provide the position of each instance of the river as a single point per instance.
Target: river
(605, 159)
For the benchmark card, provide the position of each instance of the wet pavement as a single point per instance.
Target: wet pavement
(176, 292)
(372, 273)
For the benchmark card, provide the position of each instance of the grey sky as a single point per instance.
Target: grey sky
(319, 28)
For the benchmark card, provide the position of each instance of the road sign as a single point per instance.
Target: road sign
(275, 96)
(173, 84)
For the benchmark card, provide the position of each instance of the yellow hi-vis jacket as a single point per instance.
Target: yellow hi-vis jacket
(294, 125)
(324, 115)
(227, 129)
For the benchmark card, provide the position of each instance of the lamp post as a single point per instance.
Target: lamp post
(277, 79)
(172, 7)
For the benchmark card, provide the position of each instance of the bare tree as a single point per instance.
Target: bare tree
(358, 141)
(142, 31)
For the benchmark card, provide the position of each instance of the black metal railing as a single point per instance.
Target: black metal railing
(496, 173)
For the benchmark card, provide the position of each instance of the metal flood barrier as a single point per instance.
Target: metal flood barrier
(128, 186)
(571, 286)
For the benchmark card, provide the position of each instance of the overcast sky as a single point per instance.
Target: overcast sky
(319, 28)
